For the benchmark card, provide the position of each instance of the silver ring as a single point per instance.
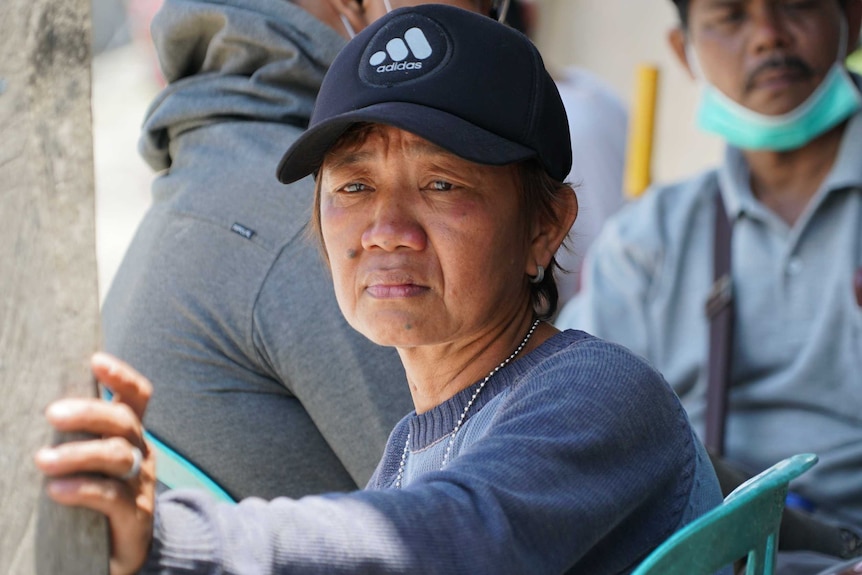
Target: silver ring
(137, 458)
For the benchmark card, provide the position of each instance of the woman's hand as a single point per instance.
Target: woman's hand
(109, 485)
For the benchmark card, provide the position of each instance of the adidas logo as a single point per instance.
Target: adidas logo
(398, 49)
(406, 49)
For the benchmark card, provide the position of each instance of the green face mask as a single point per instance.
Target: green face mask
(831, 103)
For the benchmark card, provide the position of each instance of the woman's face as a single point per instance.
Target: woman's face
(425, 247)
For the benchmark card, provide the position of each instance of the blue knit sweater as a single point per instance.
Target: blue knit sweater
(576, 458)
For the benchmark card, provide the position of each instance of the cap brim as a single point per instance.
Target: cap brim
(441, 128)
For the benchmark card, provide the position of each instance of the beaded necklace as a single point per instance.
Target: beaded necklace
(466, 409)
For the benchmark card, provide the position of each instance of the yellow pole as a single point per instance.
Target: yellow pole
(640, 138)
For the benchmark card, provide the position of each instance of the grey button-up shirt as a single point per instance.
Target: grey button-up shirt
(797, 373)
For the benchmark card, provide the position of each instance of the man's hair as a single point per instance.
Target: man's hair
(682, 9)
(541, 193)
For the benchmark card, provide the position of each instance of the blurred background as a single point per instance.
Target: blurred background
(610, 38)
(125, 81)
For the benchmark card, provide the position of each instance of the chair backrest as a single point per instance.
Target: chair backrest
(744, 525)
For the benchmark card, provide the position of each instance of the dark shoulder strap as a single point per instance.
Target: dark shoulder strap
(719, 310)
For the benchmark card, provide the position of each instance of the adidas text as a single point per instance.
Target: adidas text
(400, 66)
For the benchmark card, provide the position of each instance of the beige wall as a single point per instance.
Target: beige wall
(611, 38)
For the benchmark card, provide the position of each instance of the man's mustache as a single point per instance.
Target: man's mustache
(779, 62)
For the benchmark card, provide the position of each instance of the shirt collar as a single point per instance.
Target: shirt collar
(847, 172)
(735, 187)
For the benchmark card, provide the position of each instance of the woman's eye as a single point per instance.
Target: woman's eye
(354, 187)
(442, 186)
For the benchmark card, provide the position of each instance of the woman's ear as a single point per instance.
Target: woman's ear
(352, 11)
(548, 236)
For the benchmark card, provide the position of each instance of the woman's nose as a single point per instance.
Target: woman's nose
(394, 225)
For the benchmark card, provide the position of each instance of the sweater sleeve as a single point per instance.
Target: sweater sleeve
(586, 467)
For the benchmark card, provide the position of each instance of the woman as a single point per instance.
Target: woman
(438, 141)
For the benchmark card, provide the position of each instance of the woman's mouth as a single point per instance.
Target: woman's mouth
(395, 290)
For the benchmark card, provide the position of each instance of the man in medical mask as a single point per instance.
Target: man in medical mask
(773, 84)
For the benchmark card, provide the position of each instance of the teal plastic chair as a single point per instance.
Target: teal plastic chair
(744, 525)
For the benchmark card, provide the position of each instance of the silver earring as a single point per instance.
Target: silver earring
(540, 275)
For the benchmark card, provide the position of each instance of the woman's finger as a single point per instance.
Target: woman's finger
(114, 475)
(130, 515)
(96, 417)
(114, 457)
(128, 386)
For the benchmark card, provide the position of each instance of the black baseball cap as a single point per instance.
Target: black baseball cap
(461, 80)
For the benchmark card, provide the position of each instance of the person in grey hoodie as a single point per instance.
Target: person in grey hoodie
(221, 300)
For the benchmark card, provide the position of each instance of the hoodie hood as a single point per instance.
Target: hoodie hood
(254, 60)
